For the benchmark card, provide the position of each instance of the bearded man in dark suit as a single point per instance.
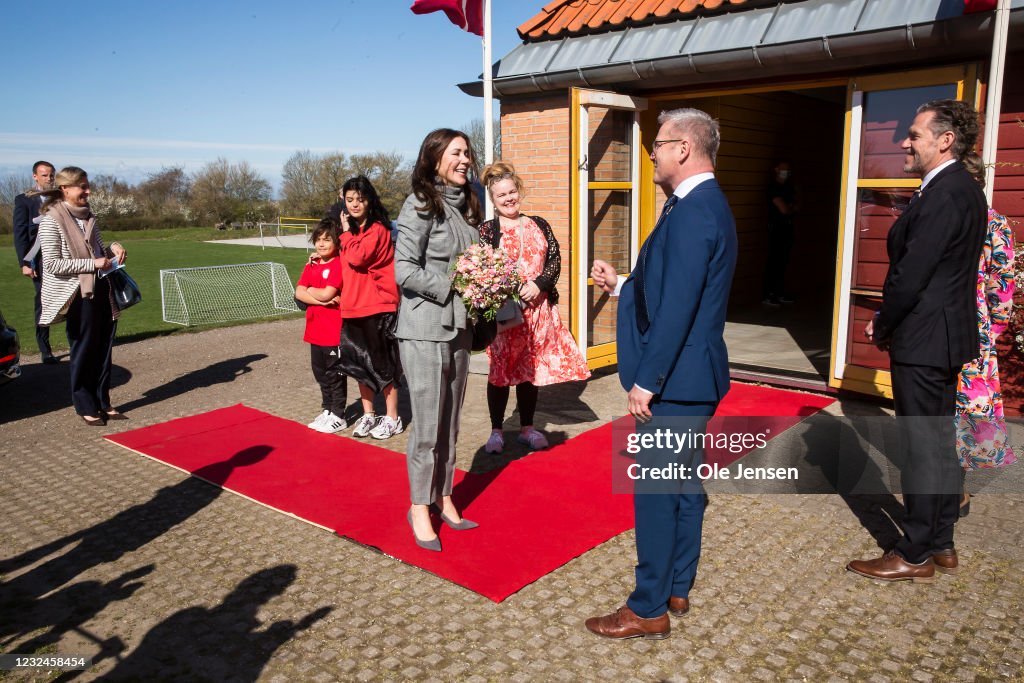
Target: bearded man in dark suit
(928, 322)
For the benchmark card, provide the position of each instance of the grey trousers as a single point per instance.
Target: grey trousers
(436, 374)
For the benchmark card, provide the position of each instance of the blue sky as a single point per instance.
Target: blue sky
(126, 87)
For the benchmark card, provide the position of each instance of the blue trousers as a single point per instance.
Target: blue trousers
(91, 331)
(669, 515)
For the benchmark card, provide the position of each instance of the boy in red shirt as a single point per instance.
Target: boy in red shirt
(319, 288)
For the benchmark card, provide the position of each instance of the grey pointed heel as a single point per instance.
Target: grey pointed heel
(458, 526)
(434, 544)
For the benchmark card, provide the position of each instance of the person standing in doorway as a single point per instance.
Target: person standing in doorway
(782, 207)
(26, 227)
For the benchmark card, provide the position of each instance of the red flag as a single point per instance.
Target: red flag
(974, 6)
(466, 14)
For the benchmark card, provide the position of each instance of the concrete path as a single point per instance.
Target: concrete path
(157, 576)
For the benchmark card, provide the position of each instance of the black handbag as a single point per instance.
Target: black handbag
(126, 292)
(484, 332)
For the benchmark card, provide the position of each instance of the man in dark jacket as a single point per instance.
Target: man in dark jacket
(928, 322)
(26, 225)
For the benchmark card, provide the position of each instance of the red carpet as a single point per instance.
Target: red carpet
(361, 490)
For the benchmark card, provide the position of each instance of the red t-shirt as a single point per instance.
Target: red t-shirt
(323, 323)
(369, 263)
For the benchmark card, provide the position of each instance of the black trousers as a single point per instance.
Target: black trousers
(327, 372)
(925, 400)
(780, 244)
(42, 331)
(91, 333)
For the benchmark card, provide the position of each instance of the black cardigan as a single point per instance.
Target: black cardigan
(490, 233)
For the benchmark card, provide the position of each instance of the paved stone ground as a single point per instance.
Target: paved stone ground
(160, 577)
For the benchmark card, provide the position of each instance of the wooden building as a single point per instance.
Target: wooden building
(829, 85)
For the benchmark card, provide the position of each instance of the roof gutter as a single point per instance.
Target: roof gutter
(964, 37)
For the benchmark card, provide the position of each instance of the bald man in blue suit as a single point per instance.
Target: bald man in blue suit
(673, 362)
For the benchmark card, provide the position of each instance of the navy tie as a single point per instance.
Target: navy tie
(643, 321)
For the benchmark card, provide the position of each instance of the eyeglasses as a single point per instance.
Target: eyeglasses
(658, 143)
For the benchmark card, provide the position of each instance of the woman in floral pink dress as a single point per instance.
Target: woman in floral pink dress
(540, 351)
(981, 440)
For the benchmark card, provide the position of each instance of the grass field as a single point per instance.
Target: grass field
(148, 252)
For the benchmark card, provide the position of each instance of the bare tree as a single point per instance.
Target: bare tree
(11, 185)
(223, 192)
(164, 193)
(475, 130)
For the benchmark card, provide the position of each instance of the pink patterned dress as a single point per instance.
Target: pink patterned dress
(981, 439)
(541, 350)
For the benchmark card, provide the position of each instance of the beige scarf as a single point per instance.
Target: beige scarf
(77, 241)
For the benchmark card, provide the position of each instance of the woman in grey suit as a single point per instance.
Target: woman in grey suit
(437, 223)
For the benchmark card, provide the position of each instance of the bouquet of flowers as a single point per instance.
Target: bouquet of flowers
(485, 277)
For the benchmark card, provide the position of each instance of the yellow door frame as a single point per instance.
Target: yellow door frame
(843, 375)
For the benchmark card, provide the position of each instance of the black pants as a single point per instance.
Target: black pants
(925, 399)
(780, 244)
(526, 403)
(42, 331)
(91, 331)
(327, 372)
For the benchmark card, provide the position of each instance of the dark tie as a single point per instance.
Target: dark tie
(643, 321)
(914, 197)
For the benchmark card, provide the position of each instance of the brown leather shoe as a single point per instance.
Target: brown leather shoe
(946, 561)
(624, 623)
(892, 567)
(677, 607)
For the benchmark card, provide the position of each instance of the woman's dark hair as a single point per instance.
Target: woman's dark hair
(424, 175)
(375, 211)
(326, 226)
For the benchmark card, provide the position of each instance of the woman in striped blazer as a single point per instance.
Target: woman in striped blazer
(73, 254)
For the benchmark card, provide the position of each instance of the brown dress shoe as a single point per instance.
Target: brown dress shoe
(946, 561)
(624, 623)
(677, 607)
(892, 567)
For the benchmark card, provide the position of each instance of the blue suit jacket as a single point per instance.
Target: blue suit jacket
(25, 209)
(688, 274)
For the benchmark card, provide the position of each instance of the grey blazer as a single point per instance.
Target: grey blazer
(424, 253)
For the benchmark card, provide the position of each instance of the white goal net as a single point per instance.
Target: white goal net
(216, 294)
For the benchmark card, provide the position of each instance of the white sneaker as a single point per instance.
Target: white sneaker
(533, 439)
(495, 443)
(365, 425)
(318, 419)
(387, 427)
(331, 424)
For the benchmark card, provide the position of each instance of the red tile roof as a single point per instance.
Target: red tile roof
(572, 17)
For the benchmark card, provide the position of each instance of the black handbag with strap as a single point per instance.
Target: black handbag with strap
(123, 287)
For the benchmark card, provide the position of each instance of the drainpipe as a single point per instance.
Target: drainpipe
(994, 99)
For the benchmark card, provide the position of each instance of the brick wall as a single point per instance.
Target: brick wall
(535, 136)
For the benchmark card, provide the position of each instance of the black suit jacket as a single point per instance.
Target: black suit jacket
(25, 209)
(928, 313)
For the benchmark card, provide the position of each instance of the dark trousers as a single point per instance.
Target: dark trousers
(42, 331)
(327, 372)
(526, 403)
(780, 244)
(925, 399)
(669, 515)
(91, 331)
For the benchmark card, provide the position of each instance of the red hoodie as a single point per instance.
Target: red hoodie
(368, 267)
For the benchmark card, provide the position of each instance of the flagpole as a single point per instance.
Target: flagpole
(488, 101)
(994, 98)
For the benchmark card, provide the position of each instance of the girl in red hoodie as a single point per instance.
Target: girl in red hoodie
(369, 306)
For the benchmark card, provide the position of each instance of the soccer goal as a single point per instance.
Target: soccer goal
(217, 294)
(288, 231)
